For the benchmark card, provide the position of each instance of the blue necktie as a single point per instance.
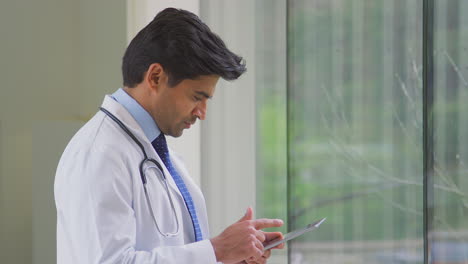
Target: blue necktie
(160, 145)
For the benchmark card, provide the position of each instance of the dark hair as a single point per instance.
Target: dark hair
(184, 46)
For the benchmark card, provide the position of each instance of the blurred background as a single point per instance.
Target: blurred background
(327, 122)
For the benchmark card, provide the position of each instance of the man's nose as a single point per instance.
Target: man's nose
(200, 111)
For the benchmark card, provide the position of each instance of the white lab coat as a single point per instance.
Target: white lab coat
(102, 214)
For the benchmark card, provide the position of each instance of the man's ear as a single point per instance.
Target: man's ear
(154, 75)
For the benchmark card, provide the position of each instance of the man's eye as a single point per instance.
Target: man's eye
(196, 98)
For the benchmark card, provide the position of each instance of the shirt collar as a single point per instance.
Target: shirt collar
(143, 118)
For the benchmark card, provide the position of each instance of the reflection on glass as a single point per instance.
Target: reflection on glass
(355, 130)
(449, 234)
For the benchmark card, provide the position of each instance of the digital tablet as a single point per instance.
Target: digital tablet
(294, 234)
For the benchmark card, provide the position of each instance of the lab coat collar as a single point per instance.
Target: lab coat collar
(139, 113)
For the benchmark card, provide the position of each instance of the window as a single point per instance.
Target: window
(341, 114)
(449, 218)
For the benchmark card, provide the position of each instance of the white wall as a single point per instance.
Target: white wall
(58, 59)
(47, 148)
(141, 12)
(228, 134)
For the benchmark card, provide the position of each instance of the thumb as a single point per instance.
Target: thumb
(248, 215)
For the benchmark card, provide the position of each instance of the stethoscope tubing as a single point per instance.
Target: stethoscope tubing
(143, 176)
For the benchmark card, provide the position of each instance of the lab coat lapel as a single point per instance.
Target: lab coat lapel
(121, 113)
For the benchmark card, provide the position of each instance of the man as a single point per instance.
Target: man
(122, 196)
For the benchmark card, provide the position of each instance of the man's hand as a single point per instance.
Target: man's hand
(269, 237)
(243, 240)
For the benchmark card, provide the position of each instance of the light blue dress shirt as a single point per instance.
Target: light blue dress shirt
(143, 118)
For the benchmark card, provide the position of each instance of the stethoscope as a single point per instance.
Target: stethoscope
(154, 164)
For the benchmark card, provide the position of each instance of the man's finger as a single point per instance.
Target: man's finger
(259, 245)
(266, 254)
(271, 236)
(248, 215)
(266, 223)
(259, 252)
(280, 246)
(260, 236)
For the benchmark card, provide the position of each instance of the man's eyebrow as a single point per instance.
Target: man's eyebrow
(204, 94)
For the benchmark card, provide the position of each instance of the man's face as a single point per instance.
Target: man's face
(178, 107)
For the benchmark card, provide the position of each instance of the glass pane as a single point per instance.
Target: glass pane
(449, 236)
(270, 72)
(355, 130)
